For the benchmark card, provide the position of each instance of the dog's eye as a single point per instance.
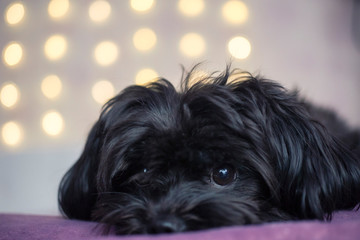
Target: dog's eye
(223, 175)
(145, 170)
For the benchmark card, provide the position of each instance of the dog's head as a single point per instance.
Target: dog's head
(217, 153)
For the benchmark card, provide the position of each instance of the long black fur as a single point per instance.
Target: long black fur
(150, 161)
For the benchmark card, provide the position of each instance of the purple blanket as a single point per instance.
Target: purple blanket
(345, 225)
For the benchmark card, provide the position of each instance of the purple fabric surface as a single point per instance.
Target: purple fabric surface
(345, 225)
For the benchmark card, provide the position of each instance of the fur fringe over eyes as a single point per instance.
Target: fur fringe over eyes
(230, 149)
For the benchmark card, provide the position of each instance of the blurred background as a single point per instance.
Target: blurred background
(62, 59)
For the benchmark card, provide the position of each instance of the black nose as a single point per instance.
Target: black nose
(166, 225)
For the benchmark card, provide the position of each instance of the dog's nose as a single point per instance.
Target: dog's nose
(167, 225)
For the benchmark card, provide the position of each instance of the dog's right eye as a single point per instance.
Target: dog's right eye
(223, 175)
(139, 178)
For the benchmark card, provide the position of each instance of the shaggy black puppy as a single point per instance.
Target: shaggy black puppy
(219, 152)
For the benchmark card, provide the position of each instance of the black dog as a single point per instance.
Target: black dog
(218, 153)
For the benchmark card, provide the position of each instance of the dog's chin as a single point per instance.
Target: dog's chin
(186, 207)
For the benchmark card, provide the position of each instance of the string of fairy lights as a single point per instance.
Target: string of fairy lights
(105, 53)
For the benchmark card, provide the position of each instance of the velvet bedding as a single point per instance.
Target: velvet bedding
(345, 225)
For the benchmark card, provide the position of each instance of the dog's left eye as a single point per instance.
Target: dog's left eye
(223, 175)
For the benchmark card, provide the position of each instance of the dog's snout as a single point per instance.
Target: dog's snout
(167, 225)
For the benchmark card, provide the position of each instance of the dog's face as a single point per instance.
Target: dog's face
(214, 154)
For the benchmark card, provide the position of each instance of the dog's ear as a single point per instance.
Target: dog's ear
(77, 190)
(123, 121)
(316, 173)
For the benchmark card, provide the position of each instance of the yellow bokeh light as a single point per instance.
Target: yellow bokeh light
(235, 12)
(51, 86)
(15, 13)
(106, 53)
(52, 123)
(239, 47)
(144, 39)
(146, 76)
(102, 91)
(55, 47)
(58, 8)
(141, 5)
(197, 76)
(9, 95)
(238, 75)
(12, 54)
(99, 11)
(191, 8)
(11, 133)
(192, 45)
